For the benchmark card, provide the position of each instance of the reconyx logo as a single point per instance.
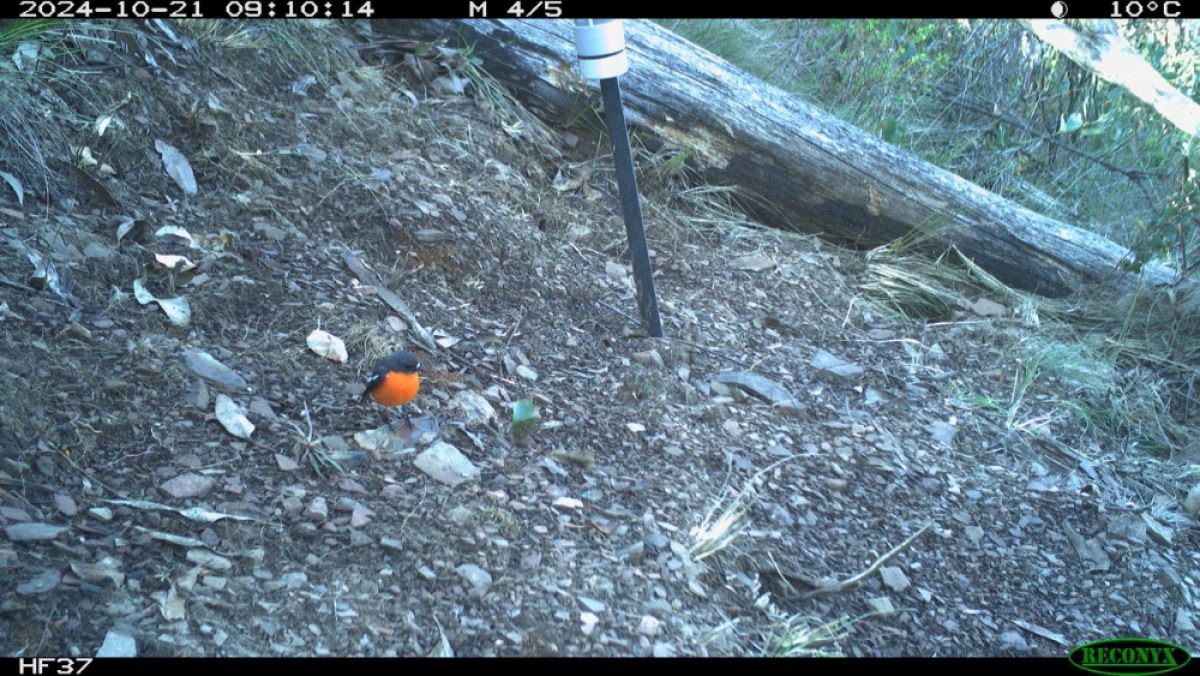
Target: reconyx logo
(1129, 656)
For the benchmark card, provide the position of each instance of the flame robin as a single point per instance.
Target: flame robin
(395, 380)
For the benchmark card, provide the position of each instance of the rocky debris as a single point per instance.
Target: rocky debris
(188, 486)
(1013, 640)
(1157, 531)
(207, 366)
(828, 363)
(25, 532)
(117, 643)
(317, 510)
(761, 387)
(447, 464)
(476, 578)
(43, 582)
(894, 578)
(650, 358)
(476, 408)
(882, 605)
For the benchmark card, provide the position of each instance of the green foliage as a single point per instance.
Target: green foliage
(14, 32)
(990, 102)
(524, 422)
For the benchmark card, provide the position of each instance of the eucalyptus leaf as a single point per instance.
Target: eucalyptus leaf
(14, 183)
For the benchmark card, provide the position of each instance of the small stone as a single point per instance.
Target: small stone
(527, 373)
(974, 534)
(1158, 532)
(1183, 621)
(476, 408)
(13, 513)
(663, 650)
(446, 464)
(942, 432)
(592, 604)
(732, 428)
(117, 644)
(26, 532)
(262, 408)
(824, 361)
(1127, 526)
(764, 388)
(656, 540)
(649, 358)
(987, 308)
(285, 463)
(209, 560)
(294, 580)
(459, 514)
(196, 395)
(188, 486)
(317, 511)
(393, 544)
(100, 513)
(894, 577)
(1014, 641)
(649, 625)
(477, 578)
(835, 484)
(46, 581)
(65, 504)
(292, 505)
(882, 605)
(269, 231)
(97, 250)
(635, 552)
(335, 443)
(206, 366)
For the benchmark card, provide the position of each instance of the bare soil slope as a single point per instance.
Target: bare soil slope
(511, 255)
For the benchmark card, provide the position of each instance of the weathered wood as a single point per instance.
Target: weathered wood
(809, 170)
(1100, 47)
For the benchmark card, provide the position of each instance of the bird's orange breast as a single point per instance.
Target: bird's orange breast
(397, 388)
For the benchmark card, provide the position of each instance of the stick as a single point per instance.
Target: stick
(850, 582)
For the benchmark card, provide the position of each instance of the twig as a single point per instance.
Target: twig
(1134, 175)
(29, 289)
(513, 331)
(709, 350)
(830, 585)
(850, 582)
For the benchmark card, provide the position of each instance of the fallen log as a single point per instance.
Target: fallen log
(807, 170)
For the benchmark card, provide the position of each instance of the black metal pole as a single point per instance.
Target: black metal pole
(643, 277)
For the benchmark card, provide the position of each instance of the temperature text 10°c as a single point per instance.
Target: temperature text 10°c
(1132, 9)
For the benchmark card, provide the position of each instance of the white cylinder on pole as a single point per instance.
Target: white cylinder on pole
(600, 44)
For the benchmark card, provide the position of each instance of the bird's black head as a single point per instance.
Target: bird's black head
(402, 361)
